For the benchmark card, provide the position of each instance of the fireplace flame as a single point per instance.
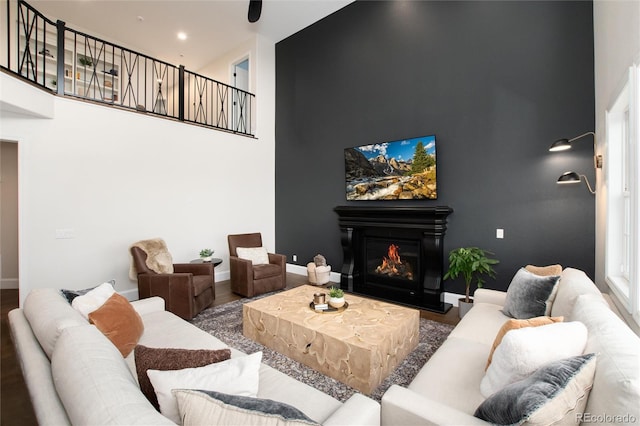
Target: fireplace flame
(393, 253)
(392, 265)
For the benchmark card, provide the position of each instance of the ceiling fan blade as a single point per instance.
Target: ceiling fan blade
(255, 8)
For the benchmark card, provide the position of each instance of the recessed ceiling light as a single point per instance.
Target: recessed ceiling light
(182, 36)
(140, 18)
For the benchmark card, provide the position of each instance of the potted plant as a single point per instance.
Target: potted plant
(85, 61)
(206, 255)
(336, 297)
(472, 263)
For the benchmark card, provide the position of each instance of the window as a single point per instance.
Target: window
(623, 220)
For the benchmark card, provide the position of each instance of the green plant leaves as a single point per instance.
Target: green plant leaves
(470, 263)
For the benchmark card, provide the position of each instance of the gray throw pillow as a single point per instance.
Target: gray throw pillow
(530, 295)
(72, 294)
(555, 394)
(199, 407)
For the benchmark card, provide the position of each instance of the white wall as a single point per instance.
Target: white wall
(220, 69)
(616, 45)
(113, 177)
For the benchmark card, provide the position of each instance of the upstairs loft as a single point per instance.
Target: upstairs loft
(73, 64)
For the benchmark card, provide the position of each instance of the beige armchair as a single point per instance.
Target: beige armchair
(253, 270)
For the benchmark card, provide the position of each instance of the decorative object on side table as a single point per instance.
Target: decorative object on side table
(318, 271)
(336, 297)
(206, 255)
(471, 263)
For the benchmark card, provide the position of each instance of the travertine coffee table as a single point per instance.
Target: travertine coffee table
(359, 346)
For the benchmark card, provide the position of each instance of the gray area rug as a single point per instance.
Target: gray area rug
(225, 323)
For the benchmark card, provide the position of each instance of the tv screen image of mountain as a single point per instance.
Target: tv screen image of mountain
(397, 170)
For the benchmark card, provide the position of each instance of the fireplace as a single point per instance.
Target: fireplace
(394, 253)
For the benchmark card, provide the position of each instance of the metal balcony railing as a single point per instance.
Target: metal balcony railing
(74, 64)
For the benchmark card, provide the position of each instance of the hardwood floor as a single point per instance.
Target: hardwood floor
(15, 405)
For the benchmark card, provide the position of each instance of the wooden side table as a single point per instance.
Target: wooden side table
(216, 261)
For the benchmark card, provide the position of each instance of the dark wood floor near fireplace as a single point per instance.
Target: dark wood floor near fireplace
(15, 405)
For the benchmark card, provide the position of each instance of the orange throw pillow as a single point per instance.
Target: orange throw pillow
(545, 271)
(120, 322)
(514, 324)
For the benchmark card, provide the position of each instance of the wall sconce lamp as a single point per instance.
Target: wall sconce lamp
(573, 177)
(565, 144)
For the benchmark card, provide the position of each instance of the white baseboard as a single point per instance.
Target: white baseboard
(452, 298)
(302, 270)
(9, 283)
(222, 275)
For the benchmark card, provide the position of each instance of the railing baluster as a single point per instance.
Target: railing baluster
(9, 34)
(60, 58)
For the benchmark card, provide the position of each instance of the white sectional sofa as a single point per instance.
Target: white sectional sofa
(75, 375)
(446, 391)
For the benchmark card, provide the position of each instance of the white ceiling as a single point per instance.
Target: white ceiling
(213, 27)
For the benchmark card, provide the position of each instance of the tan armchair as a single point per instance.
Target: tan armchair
(187, 291)
(249, 279)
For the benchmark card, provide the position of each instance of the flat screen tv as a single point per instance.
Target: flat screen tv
(397, 170)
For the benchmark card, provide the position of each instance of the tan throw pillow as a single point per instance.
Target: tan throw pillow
(171, 359)
(544, 271)
(514, 324)
(120, 322)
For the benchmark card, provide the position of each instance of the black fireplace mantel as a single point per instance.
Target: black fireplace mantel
(424, 227)
(399, 217)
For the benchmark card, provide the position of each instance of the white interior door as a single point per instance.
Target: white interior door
(239, 116)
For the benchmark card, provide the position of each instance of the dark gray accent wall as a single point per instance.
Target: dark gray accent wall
(496, 82)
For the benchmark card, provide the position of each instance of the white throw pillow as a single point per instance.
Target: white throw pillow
(236, 376)
(92, 300)
(524, 350)
(257, 255)
(48, 314)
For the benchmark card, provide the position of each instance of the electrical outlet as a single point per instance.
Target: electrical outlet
(295, 257)
(65, 233)
(500, 233)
